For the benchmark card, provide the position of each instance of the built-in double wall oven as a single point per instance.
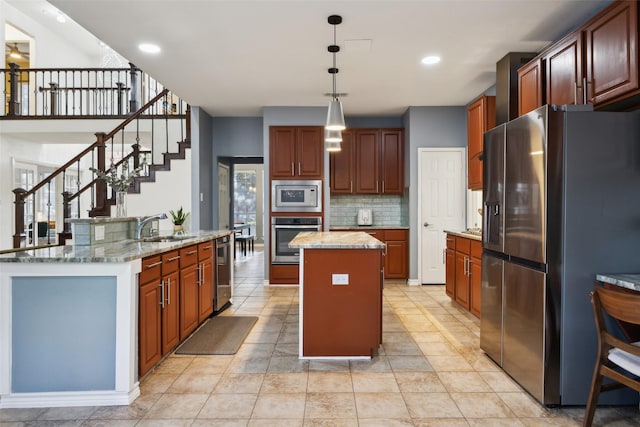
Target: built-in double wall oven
(283, 230)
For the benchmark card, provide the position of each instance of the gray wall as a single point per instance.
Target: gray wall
(427, 127)
(202, 172)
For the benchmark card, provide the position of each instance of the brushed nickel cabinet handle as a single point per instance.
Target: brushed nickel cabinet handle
(162, 294)
(155, 264)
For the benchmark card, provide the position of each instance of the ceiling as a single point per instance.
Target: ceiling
(234, 57)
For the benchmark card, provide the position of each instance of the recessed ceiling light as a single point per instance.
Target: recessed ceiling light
(430, 60)
(149, 48)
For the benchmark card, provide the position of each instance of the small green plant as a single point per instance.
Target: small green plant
(179, 217)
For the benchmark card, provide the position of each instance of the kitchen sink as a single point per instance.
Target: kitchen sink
(171, 238)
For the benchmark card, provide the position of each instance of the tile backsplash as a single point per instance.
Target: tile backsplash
(387, 210)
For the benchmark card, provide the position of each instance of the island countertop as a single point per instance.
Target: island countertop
(335, 240)
(122, 251)
(628, 280)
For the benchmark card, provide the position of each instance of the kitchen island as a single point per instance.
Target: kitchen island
(341, 278)
(69, 322)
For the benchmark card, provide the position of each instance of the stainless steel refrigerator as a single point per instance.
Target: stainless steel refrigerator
(561, 204)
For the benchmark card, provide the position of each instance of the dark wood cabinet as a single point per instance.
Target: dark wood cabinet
(564, 71)
(171, 301)
(450, 267)
(189, 292)
(296, 152)
(475, 282)
(463, 268)
(530, 88)
(481, 116)
(206, 280)
(371, 162)
(367, 166)
(397, 254)
(341, 169)
(595, 64)
(149, 314)
(611, 41)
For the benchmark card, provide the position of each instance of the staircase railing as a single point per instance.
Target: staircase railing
(155, 133)
(77, 92)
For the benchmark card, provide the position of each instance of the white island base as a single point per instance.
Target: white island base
(68, 334)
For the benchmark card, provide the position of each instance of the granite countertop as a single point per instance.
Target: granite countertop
(629, 280)
(466, 234)
(335, 240)
(122, 251)
(368, 227)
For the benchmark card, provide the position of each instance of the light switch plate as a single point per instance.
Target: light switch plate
(339, 279)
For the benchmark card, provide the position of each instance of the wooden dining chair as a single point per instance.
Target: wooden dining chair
(618, 359)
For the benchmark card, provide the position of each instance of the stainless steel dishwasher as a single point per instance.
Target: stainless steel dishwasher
(222, 290)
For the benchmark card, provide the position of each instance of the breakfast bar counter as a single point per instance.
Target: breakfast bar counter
(341, 277)
(69, 321)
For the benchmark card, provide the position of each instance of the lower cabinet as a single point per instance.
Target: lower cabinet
(396, 259)
(175, 297)
(464, 272)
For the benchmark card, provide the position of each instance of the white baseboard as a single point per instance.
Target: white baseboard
(67, 399)
(413, 282)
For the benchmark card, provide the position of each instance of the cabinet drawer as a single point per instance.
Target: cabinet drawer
(170, 262)
(451, 242)
(463, 245)
(188, 256)
(395, 235)
(151, 269)
(205, 250)
(378, 234)
(476, 249)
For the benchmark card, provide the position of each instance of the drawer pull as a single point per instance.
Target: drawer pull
(173, 258)
(155, 264)
(206, 248)
(192, 252)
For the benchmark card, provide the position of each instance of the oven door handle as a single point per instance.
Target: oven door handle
(315, 227)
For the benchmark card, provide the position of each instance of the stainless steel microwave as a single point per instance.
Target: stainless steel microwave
(296, 196)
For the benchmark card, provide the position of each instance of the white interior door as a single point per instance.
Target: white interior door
(224, 197)
(441, 204)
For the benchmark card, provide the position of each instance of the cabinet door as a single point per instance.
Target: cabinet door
(341, 166)
(309, 152)
(170, 312)
(450, 273)
(282, 153)
(207, 280)
(149, 326)
(367, 161)
(612, 53)
(462, 280)
(564, 71)
(391, 161)
(481, 116)
(530, 86)
(396, 261)
(476, 285)
(189, 294)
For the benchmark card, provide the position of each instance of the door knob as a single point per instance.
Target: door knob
(426, 224)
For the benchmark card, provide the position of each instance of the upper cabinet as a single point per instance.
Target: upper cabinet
(296, 152)
(595, 64)
(530, 86)
(481, 116)
(371, 162)
(611, 41)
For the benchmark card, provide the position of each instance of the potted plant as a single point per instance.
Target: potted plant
(178, 218)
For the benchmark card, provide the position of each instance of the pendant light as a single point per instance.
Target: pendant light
(332, 140)
(335, 116)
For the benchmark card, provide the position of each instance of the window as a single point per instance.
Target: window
(244, 193)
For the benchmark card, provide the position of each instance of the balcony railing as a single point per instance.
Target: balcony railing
(80, 92)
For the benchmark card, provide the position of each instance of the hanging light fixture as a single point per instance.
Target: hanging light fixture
(335, 116)
(332, 140)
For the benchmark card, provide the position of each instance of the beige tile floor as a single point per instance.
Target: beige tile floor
(430, 372)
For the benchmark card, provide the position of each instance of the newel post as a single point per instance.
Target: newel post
(66, 214)
(133, 101)
(14, 94)
(188, 122)
(18, 216)
(101, 206)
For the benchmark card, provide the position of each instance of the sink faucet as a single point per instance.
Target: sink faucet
(142, 222)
